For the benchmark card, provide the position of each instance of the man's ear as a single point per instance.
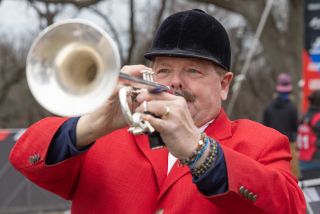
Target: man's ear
(225, 84)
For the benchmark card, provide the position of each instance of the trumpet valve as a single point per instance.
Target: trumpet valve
(147, 75)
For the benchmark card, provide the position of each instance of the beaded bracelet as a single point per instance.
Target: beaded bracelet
(209, 161)
(200, 153)
(211, 145)
(201, 145)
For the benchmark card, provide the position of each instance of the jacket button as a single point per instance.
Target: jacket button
(254, 198)
(250, 196)
(246, 193)
(241, 190)
(33, 159)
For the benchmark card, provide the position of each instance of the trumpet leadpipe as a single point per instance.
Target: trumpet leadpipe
(155, 87)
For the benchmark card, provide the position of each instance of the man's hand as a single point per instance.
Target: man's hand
(174, 122)
(107, 118)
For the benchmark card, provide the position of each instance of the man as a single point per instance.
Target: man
(282, 115)
(236, 166)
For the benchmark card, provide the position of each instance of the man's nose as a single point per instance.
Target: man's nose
(176, 82)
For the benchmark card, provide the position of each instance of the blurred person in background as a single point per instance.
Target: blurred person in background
(308, 140)
(210, 164)
(282, 115)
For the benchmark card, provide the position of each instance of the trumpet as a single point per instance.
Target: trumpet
(73, 67)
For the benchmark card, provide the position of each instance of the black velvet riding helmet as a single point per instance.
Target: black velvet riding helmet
(192, 33)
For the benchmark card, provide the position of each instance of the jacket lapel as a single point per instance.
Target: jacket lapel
(158, 158)
(174, 175)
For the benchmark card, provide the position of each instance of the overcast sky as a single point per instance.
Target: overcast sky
(19, 22)
(15, 16)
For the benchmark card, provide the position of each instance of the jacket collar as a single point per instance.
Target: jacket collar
(220, 128)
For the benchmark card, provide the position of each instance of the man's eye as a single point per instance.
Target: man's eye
(193, 71)
(162, 71)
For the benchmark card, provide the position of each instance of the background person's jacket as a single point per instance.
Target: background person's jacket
(282, 115)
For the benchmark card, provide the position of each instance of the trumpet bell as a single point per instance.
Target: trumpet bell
(72, 67)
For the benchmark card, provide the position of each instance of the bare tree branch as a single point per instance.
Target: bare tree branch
(251, 9)
(46, 15)
(49, 15)
(159, 15)
(113, 30)
(78, 3)
(131, 32)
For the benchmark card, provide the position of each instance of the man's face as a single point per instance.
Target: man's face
(204, 86)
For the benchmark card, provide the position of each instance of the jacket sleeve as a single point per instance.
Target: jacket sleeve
(29, 154)
(264, 185)
(214, 181)
(63, 144)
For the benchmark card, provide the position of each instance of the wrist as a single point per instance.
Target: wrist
(195, 152)
(86, 131)
(207, 160)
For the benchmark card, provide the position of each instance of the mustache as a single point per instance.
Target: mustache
(188, 96)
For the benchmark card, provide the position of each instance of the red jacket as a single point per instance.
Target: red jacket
(120, 174)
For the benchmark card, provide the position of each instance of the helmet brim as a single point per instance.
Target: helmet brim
(183, 54)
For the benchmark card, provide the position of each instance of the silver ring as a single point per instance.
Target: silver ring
(167, 112)
(145, 106)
